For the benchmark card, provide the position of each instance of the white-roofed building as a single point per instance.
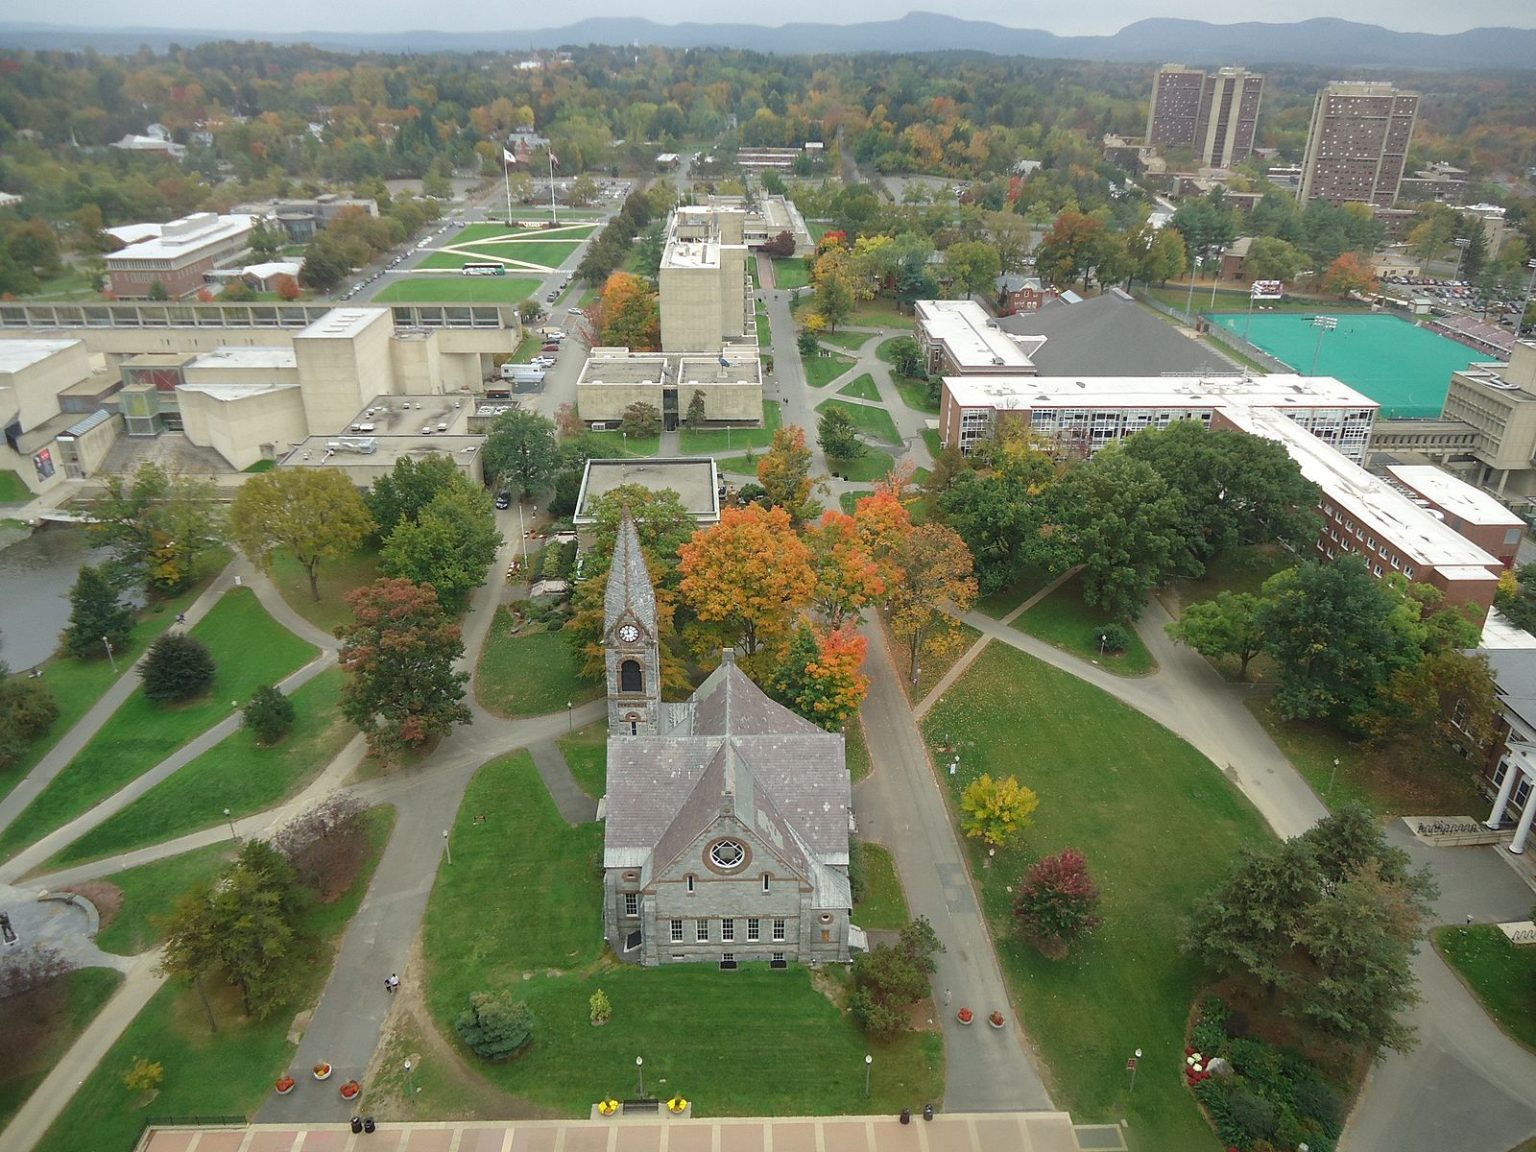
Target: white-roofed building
(1468, 510)
(959, 338)
(178, 256)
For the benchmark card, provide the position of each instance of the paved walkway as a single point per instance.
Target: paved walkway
(901, 807)
(575, 806)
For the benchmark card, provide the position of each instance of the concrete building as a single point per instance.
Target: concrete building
(83, 446)
(1510, 770)
(1498, 403)
(1440, 182)
(1214, 114)
(347, 356)
(706, 301)
(1463, 508)
(393, 427)
(1366, 516)
(1081, 416)
(726, 838)
(1358, 142)
(177, 255)
(959, 338)
(695, 479)
(245, 403)
(730, 384)
(302, 219)
(33, 374)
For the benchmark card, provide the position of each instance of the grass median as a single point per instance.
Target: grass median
(873, 422)
(1063, 620)
(1159, 825)
(529, 673)
(249, 649)
(146, 895)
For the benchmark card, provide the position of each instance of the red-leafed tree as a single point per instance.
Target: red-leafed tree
(1057, 902)
(1350, 272)
(402, 690)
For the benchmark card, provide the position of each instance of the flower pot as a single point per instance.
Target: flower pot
(322, 1071)
(965, 1016)
(996, 1020)
(284, 1085)
(350, 1090)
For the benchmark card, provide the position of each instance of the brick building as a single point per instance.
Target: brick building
(1358, 143)
(177, 255)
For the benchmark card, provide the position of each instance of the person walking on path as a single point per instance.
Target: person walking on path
(391, 983)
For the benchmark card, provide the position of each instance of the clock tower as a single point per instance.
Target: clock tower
(632, 652)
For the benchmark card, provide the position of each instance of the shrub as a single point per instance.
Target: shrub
(27, 709)
(494, 1027)
(600, 1007)
(1057, 902)
(1251, 1117)
(178, 667)
(1208, 1035)
(143, 1075)
(268, 714)
(878, 1020)
(1112, 638)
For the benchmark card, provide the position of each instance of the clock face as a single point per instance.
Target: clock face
(629, 633)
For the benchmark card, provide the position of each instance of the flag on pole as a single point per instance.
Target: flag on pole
(508, 156)
(553, 159)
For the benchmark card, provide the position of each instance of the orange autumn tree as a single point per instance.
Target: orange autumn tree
(747, 579)
(934, 585)
(1350, 272)
(628, 314)
(820, 677)
(785, 474)
(884, 525)
(847, 576)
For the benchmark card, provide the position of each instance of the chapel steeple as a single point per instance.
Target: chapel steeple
(632, 650)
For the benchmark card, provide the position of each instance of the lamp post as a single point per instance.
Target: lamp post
(233, 835)
(640, 1075)
(112, 659)
(570, 717)
(1216, 279)
(869, 1065)
(1133, 1061)
(408, 1078)
(1332, 776)
(1324, 325)
(447, 848)
(1189, 303)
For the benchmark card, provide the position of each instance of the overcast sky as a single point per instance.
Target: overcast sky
(1103, 16)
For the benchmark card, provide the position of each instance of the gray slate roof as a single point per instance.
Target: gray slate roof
(629, 581)
(1112, 335)
(1514, 672)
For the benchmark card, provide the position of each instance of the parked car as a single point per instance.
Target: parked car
(504, 499)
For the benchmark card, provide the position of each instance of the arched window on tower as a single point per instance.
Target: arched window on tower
(631, 679)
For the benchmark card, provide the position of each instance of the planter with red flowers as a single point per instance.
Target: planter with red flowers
(350, 1090)
(322, 1071)
(965, 1016)
(284, 1085)
(996, 1019)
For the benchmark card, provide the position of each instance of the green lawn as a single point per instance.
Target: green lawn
(856, 747)
(249, 649)
(883, 906)
(522, 900)
(336, 579)
(458, 289)
(617, 444)
(881, 312)
(738, 465)
(764, 333)
(586, 755)
(546, 253)
(227, 1073)
(55, 1021)
(875, 422)
(874, 464)
(477, 234)
(531, 673)
(1502, 976)
(851, 341)
(931, 665)
(13, 489)
(1004, 601)
(822, 369)
(1097, 764)
(848, 501)
(914, 393)
(710, 441)
(1241, 570)
(790, 272)
(883, 349)
(236, 774)
(77, 684)
(931, 439)
(150, 891)
(861, 387)
(261, 466)
(1063, 620)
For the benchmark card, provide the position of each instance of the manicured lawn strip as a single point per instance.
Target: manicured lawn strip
(849, 501)
(871, 466)
(1502, 976)
(856, 748)
(790, 272)
(861, 388)
(617, 444)
(237, 774)
(914, 393)
(883, 907)
(151, 890)
(530, 673)
(507, 289)
(880, 311)
(336, 579)
(852, 341)
(78, 684)
(1004, 601)
(1064, 621)
(227, 1073)
(931, 439)
(478, 233)
(523, 897)
(874, 422)
(1097, 764)
(13, 489)
(549, 253)
(711, 441)
(249, 649)
(764, 334)
(71, 1008)
(586, 755)
(822, 370)
(745, 466)
(1382, 780)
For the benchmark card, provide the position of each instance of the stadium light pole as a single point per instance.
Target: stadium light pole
(1530, 285)
(1461, 243)
(1324, 325)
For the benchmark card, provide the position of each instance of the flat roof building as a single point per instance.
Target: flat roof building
(1081, 416)
(1358, 143)
(960, 338)
(1465, 509)
(695, 479)
(704, 298)
(1212, 113)
(177, 255)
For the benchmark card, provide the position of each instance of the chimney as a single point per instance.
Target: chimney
(728, 656)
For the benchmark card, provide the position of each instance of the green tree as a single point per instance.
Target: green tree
(158, 523)
(192, 943)
(907, 357)
(1475, 256)
(1270, 258)
(641, 419)
(96, 617)
(819, 677)
(1057, 902)
(695, 418)
(27, 709)
(449, 545)
(1443, 705)
(1001, 506)
(1227, 626)
(313, 514)
(785, 474)
(266, 242)
(402, 690)
(521, 447)
(268, 714)
(405, 490)
(1164, 257)
(839, 436)
(494, 1026)
(996, 811)
(891, 977)
(974, 266)
(178, 667)
(833, 280)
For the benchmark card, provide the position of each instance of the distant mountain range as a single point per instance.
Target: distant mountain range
(1322, 42)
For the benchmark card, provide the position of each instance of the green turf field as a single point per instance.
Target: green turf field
(459, 289)
(544, 253)
(1404, 368)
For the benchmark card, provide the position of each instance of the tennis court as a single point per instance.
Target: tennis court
(1404, 368)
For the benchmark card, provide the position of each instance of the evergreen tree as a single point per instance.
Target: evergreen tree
(269, 714)
(178, 667)
(96, 615)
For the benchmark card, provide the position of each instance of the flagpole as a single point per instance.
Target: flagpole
(554, 212)
(506, 175)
